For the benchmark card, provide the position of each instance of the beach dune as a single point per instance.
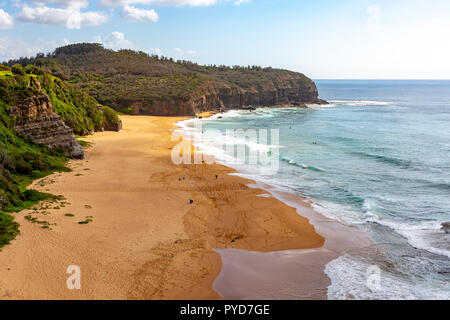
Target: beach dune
(145, 238)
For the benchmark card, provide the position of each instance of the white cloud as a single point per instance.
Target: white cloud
(120, 3)
(65, 3)
(193, 3)
(238, 2)
(68, 12)
(116, 40)
(98, 39)
(183, 54)
(116, 3)
(135, 14)
(70, 17)
(16, 3)
(374, 19)
(156, 51)
(6, 21)
(12, 48)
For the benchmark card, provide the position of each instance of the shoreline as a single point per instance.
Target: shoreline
(289, 274)
(145, 240)
(249, 271)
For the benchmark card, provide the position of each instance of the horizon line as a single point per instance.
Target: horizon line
(376, 79)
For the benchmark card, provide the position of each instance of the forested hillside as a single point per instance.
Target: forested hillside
(135, 82)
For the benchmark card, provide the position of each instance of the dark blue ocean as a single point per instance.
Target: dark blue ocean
(377, 158)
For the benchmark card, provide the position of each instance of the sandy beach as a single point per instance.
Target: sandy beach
(144, 239)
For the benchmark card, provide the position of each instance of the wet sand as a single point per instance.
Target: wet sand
(287, 274)
(146, 240)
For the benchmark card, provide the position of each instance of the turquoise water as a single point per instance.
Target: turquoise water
(377, 158)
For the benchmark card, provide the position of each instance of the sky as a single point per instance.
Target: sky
(324, 39)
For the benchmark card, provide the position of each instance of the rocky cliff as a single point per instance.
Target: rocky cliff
(229, 97)
(34, 118)
(218, 97)
(138, 83)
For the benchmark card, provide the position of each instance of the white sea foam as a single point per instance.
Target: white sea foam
(426, 235)
(341, 213)
(321, 106)
(348, 276)
(359, 103)
(264, 195)
(353, 103)
(218, 146)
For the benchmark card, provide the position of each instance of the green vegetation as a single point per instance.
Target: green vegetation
(81, 80)
(87, 220)
(35, 220)
(160, 85)
(78, 110)
(84, 144)
(8, 229)
(22, 161)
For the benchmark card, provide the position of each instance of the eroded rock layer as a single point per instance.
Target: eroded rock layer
(34, 118)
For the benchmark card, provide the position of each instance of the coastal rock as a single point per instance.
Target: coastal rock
(34, 118)
(297, 92)
(114, 126)
(446, 227)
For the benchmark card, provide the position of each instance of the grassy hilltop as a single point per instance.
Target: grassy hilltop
(124, 78)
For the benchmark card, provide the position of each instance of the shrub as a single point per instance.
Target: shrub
(32, 69)
(3, 83)
(5, 160)
(18, 69)
(110, 115)
(29, 163)
(8, 229)
(36, 174)
(21, 166)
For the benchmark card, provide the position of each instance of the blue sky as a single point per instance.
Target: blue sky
(325, 39)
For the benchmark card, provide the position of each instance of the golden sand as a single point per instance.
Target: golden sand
(146, 240)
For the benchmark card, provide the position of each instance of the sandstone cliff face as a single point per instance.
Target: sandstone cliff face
(221, 98)
(228, 97)
(34, 118)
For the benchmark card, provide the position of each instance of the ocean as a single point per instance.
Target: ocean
(376, 158)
